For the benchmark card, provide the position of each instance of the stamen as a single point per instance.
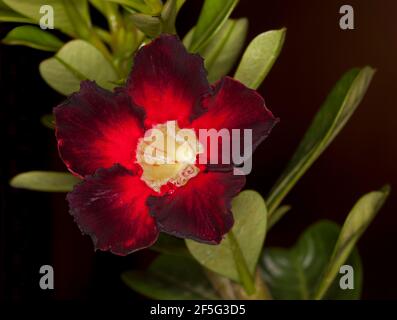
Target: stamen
(168, 154)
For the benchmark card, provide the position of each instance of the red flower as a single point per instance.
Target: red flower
(123, 202)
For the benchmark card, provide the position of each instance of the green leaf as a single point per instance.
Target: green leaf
(328, 122)
(249, 211)
(154, 5)
(212, 17)
(33, 37)
(171, 278)
(170, 245)
(45, 181)
(259, 58)
(294, 274)
(31, 9)
(136, 5)
(111, 12)
(224, 49)
(168, 16)
(7, 15)
(151, 26)
(48, 121)
(359, 218)
(179, 4)
(76, 61)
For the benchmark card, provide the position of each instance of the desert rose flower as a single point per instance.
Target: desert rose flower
(131, 191)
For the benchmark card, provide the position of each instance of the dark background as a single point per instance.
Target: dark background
(36, 228)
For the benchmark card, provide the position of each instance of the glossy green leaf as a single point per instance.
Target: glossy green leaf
(249, 211)
(8, 15)
(31, 9)
(212, 17)
(294, 274)
(359, 218)
(76, 61)
(329, 121)
(45, 181)
(48, 121)
(33, 37)
(171, 278)
(151, 26)
(223, 51)
(259, 58)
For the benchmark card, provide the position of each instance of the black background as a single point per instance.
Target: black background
(36, 228)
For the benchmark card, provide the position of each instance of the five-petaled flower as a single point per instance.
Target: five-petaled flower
(122, 202)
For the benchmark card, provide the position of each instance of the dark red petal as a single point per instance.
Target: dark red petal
(110, 207)
(167, 81)
(96, 128)
(200, 210)
(234, 106)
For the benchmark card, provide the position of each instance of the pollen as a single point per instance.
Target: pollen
(168, 155)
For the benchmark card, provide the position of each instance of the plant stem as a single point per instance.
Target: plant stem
(245, 275)
(229, 290)
(222, 285)
(262, 292)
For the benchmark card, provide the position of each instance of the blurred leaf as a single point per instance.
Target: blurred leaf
(76, 61)
(48, 121)
(170, 245)
(187, 40)
(8, 15)
(155, 6)
(84, 29)
(104, 35)
(45, 181)
(59, 77)
(179, 4)
(171, 278)
(224, 49)
(168, 16)
(359, 218)
(328, 122)
(31, 9)
(259, 57)
(294, 274)
(101, 5)
(212, 17)
(112, 14)
(33, 37)
(249, 211)
(136, 5)
(151, 26)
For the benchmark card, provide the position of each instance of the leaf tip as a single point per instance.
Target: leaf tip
(386, 189)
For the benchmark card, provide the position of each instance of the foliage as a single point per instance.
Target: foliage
(81, 50)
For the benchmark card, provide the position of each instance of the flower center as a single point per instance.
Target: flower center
(167, 155)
